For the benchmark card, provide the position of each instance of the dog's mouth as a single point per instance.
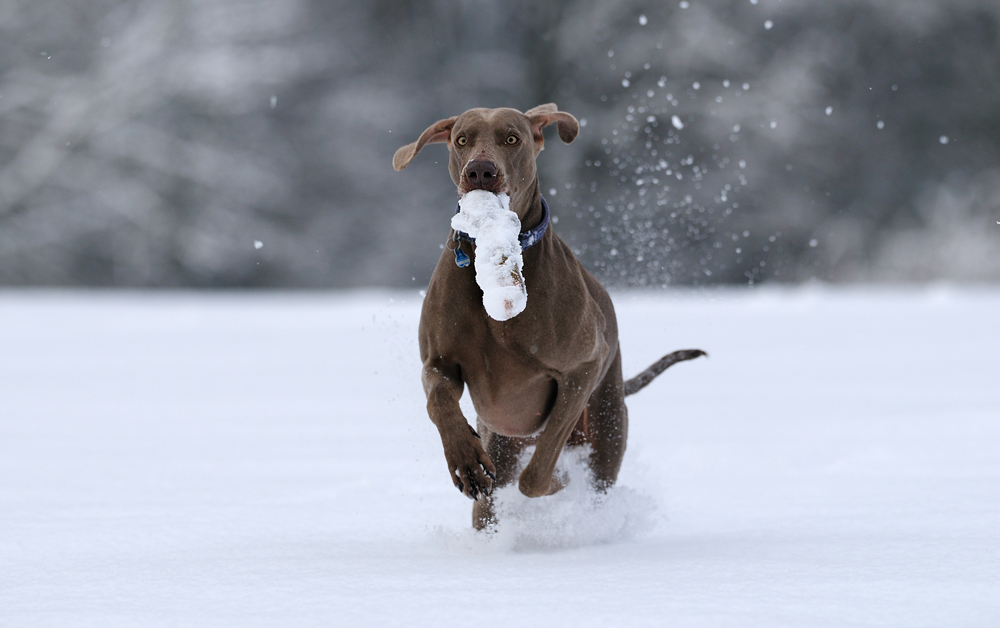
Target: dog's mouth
(496, 186)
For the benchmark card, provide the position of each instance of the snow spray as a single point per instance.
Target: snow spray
(576, 516)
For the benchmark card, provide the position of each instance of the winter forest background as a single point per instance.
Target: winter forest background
(154, 142)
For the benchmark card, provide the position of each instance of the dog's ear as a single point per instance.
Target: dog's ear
(436, 133)
(544, 115)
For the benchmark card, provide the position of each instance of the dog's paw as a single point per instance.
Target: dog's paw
(531, 484)
(471, 469)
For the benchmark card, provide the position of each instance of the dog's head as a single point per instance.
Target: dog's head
(494, 149)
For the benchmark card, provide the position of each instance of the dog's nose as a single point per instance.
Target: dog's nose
(481, 172)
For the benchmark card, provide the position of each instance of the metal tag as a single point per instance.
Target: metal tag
(461, 259)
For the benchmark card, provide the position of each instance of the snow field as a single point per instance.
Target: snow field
(266, 460)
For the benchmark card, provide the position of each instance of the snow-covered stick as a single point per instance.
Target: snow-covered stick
(487, 218)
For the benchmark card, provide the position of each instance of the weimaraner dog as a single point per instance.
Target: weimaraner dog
(551, 375)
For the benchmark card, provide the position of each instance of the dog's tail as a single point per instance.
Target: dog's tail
(639, 382)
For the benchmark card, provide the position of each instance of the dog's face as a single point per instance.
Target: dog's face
(494, 149)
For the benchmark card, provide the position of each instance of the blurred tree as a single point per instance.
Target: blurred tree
(154, 142)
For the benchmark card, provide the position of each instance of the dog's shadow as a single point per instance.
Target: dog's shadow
(576, 516)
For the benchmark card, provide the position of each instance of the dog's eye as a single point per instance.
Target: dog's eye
(512, 139)
(461, 141)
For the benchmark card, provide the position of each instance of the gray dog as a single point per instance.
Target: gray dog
(551, 375)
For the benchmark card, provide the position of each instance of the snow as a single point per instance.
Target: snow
(265, 459)
(487, 218)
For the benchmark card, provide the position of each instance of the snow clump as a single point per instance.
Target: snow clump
(487, 218)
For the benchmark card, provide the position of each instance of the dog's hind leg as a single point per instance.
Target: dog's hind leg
(607, 426)
(504, 451)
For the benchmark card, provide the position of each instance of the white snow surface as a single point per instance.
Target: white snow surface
(487, 218)
(266, 460)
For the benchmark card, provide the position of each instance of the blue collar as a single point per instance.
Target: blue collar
(527, 238)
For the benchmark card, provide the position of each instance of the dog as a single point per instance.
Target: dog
(552, 375)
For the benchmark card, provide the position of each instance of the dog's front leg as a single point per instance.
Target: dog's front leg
(470, 468)
(574, 390)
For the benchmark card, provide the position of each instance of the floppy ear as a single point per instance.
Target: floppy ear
(436, 133)
(544, 115)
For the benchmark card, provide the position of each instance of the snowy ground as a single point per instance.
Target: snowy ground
(265, 460)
